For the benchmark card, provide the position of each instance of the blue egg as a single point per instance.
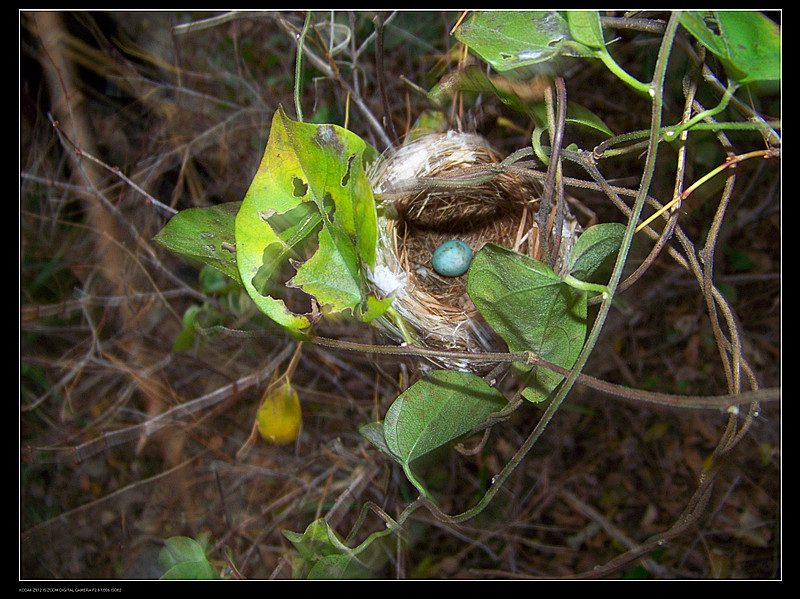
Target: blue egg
(452, 258)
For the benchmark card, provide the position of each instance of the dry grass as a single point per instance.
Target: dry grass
(181, 118)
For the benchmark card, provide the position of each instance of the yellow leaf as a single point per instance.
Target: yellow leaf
(279, 416)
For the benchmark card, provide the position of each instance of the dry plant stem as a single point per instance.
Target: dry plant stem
(658, 247)
(67, 105)
(215, 21)
(707, 257)
(41, 533)
(174, 415)
(733, 433)
(380, 73)
(732, 161)
(669, 228)
(688, 517)
(745, 110)
(112, 210)
(329, 70)
(67, 307)
(613, 531)
(545, 215)
(116, 172)
(690, 261)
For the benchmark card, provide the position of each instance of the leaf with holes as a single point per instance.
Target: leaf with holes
(512, 39)
(309, 221)
(205, 234)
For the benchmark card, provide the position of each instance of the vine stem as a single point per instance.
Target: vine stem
(697, 402)
(655, 91)
(612, 66)
(732, 161)
(672, 133)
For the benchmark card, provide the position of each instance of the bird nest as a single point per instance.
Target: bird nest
(432, 189)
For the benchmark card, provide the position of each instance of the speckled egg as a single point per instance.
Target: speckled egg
(452, 258)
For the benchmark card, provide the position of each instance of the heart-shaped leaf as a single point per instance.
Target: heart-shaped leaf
(434, 411)
(531, 308)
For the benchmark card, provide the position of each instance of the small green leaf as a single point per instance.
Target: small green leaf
(206, 234)
(338, 567)
(747, 42)
(434, 411)
(532, 309)
(318, 540)
(592, 248)
(185, 338)
(213, 281)
(183, 558)
(576, 115)
(585, 27)
(324, 555)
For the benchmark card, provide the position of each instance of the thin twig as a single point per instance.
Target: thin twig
(174, 415)
(388, 122)
(332, 73)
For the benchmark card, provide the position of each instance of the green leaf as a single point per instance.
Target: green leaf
(373, 432)
(585, 27)
(532, 309)
(512, 39)
(593, 247)
(516, 93)
(309, 208)
(338, 567)
(183, 558)
(747, 42)
(434, 411)
(509, 40)
(318, 540)
(206, 234)
(185, 338)
(324, 555)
